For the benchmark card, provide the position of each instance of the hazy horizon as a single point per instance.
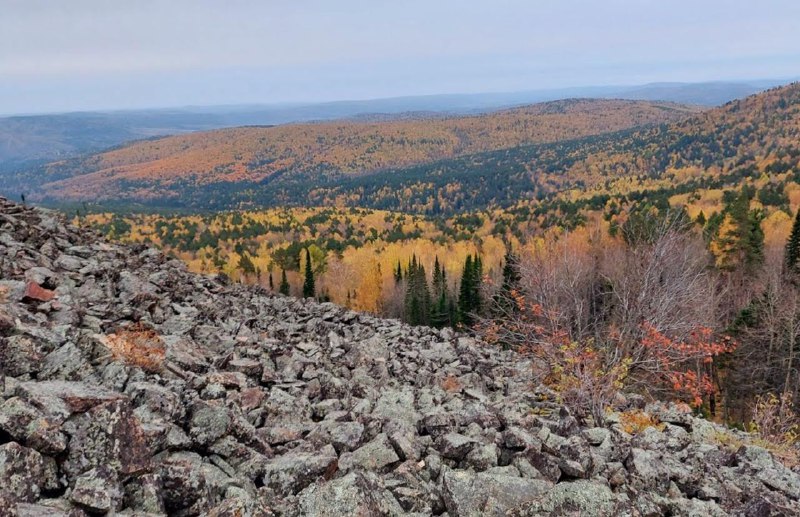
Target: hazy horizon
(94, 55)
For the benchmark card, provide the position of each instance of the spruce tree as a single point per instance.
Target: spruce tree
(418, 297)
(477, 279)
(271, 283)
(465, 292)
(503, 300)
(246, 265)
(439, 309)
(738, 240)
(308, 285)
(424, 296)
(701, 219)
(754, 245)
(398, 273)
(284, 287)
(792, 256)
(469, 295)
(410, 302)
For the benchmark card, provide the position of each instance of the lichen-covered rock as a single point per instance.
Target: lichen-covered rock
(375, 455)
(759, 463)
(20, 355)
(208, 423)
(647, 472)
(293, 471)
(108, 435)
(22, 472)
(26, 424)
(98, 490)
(184, 487)
(580, 497)
(454, 446)
(357, 493)
(468, 494)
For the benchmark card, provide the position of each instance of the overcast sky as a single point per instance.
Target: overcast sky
(63, 55)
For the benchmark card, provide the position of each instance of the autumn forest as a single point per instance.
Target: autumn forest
(653, 246)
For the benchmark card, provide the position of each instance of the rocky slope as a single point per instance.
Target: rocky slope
(129, 385)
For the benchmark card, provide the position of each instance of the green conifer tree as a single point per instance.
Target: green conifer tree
(418, 297)
(465, 292)
(792, 256)
(440, 315)
(503, 300)
(477, 279)
(309, 288)
(284, 287)
(701, 219)
(246, 265)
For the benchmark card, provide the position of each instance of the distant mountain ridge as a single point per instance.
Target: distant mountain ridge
(163, 168)
(57, 136)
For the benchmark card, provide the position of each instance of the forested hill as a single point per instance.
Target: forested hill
(578, 159)
(757, 138)
(247, 160)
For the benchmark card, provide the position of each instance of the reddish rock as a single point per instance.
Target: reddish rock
(21, 472)
(249, 367)
(107, 435)
(35, 292)
(251, 398)
(78, 397)
(228, 379)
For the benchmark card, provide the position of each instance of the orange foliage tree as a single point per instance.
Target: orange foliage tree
(685, 365)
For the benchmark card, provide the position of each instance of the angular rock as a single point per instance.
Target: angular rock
(98, 490)
(344, 436)
(22, 472)
(107, 435)
(78, 397)
(31, 427)
(375, 455)
(467, 494)
(357, 493)
(647, 472)
(36, 293)
(575, 498)
(454, 446)
(184, 486)
(290, 473)
(20, 355)
(208, 423)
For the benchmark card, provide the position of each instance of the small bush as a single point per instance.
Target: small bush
(775, 419)
(137, 346)
(786, 453)
(635, 421)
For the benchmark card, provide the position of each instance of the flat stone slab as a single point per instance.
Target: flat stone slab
(77, 396)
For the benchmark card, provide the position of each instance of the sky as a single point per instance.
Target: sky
(59, 55)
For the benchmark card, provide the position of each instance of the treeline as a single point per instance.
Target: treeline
(436, 302)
